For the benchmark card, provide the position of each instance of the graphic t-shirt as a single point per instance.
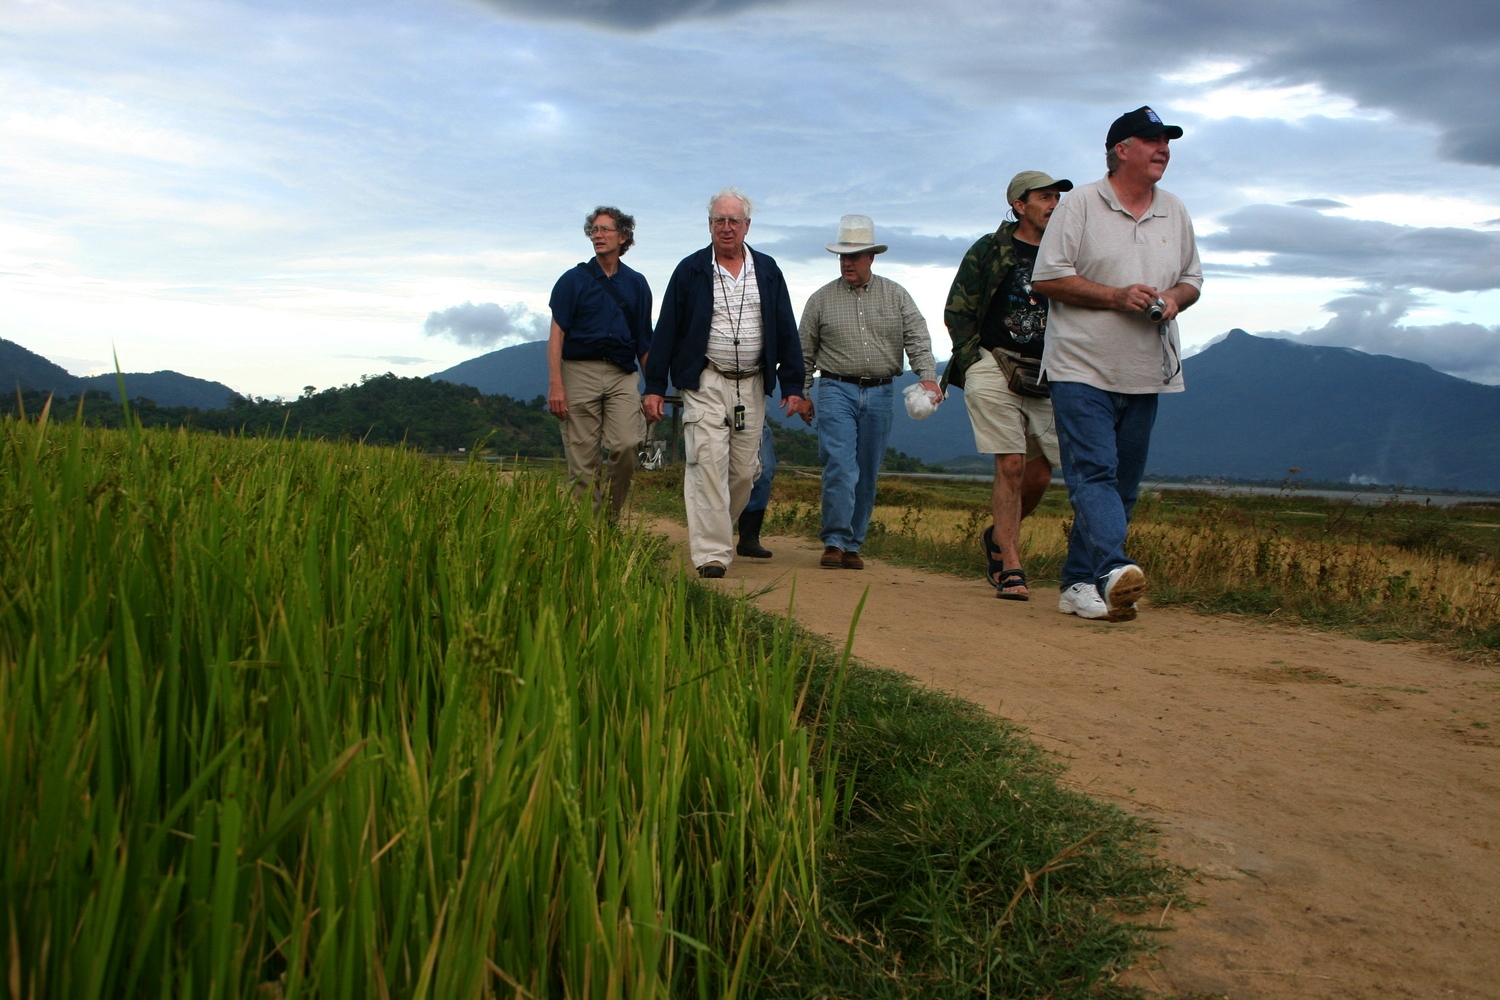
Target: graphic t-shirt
(1017, 316)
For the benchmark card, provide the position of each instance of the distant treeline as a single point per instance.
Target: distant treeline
(795, 446)
(388, 410)
(383, 409)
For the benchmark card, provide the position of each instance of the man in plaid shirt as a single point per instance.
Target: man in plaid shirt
(854, 330)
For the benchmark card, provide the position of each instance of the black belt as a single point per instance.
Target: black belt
(863, 381)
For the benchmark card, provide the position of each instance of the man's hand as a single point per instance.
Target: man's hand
(557, 401)
(1076, 291)
(1178, 298)
(1134, 298)
(799, 405)
(652, 406)
(937, 394)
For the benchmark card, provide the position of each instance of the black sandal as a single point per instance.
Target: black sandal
(992, 553)
(1011, 578)
(997, 574)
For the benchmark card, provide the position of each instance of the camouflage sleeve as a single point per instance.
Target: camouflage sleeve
(961, 313)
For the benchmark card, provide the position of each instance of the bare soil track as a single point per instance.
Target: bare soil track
(1336, 796)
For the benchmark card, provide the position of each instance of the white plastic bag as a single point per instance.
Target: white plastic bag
(921, 403)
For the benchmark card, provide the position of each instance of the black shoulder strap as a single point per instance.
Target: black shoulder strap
(614, 293)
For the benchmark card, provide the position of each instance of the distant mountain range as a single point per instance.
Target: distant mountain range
(23, 369)
(1255, 408)
(519, 372)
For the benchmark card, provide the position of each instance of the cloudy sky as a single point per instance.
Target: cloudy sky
(277, 194)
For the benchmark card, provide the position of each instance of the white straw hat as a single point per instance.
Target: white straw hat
(856, 235)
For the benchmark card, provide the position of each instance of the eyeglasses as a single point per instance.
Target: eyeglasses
(596, 230)
(726, 220)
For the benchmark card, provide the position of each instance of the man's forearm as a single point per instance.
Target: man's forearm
(916, 341)
(1184, 294)
(554, 354)
(1077, 291)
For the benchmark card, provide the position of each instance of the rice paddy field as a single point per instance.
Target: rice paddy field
(293, 719)
(1396, 570)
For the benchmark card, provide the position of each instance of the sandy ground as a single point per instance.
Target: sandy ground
(1335, 795)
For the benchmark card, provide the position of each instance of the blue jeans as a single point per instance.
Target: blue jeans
(760, 492)
(1103, 437)
(853, 426)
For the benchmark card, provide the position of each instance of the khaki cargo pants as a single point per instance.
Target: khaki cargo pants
(722, 463)
(605, 426)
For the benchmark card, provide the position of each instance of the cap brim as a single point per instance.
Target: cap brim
(1170, 131)
(842, 248)
(1060, 185)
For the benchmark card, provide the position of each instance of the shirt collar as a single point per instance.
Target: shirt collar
(593, 265)
(714, 267)
(1107, 192)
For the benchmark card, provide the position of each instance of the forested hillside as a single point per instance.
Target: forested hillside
(385, 409)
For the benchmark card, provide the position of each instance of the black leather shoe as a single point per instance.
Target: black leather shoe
(749, 546)
(711, 571)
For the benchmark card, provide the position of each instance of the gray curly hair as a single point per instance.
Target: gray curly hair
(624, 223)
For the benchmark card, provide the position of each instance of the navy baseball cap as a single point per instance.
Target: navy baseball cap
(1143, 122)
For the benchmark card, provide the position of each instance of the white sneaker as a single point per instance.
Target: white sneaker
(1082, 599)
(1123, 586)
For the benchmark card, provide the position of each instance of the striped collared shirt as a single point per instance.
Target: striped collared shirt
(863, 331)
(736, 317)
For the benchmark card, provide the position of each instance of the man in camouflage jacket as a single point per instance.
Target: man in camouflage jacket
(996, 320)
(987, 263)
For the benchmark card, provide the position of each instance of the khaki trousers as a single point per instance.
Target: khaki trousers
(722, 463)
(604, 416)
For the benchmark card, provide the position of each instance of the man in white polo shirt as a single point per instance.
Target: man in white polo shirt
(1118, 262)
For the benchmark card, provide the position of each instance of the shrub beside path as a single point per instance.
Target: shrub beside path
(1340, 799)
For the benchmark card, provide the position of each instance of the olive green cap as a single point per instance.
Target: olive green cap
(1032, 180)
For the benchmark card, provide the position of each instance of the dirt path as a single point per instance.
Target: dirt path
(1335, 794)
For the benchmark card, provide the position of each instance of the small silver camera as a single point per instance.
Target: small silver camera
(1156, 310)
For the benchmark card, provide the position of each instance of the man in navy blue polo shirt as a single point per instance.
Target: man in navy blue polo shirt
(601, 328)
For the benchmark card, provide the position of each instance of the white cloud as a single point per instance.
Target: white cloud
(83, 367)
(1202, 71)
(1373, 322)
(487, 324)
(1418, 209)
(1250, 100)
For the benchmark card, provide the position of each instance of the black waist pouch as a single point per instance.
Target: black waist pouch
(1023, 375)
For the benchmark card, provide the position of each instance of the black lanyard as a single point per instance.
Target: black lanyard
(743, 282)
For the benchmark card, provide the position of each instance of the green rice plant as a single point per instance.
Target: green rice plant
(291, 719)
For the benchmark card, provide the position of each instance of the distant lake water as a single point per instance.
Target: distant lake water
(1369, 495)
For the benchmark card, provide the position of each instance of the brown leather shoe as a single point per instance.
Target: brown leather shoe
(853, 561)
(833, 558)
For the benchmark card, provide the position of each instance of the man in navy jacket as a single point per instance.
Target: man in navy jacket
(726, 335)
